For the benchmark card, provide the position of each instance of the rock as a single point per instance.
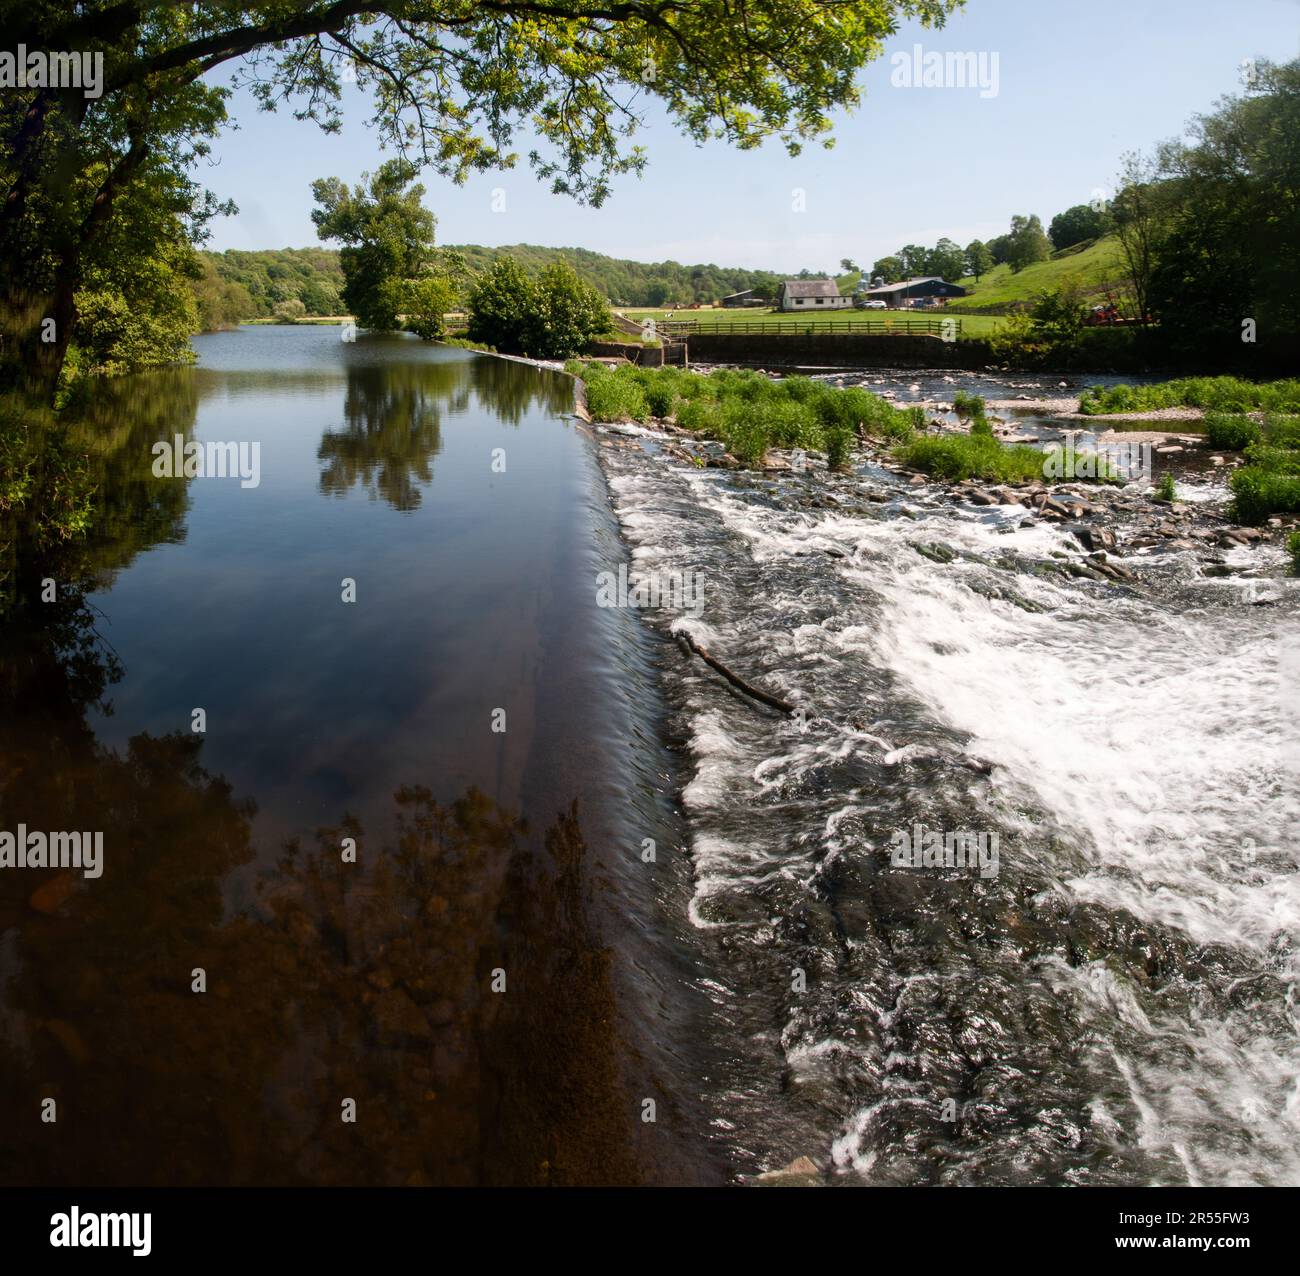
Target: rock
(1170, 450)
(917, 480)
(1239, 536)
(983, 498)
(1083, 570)
(1096, 538)
(936, 552)
(801, 1172)
(1117, 571)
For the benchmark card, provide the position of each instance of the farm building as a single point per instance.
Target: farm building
(811, 294)
(739, 300)
(914, 292)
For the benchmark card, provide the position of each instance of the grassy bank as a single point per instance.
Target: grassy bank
(750, 413)
(747, 412)
(901, 321)
(972, 456)
(1214, 394)
(1269, 482)
(1097, 265)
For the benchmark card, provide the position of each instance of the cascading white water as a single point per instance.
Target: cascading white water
(1144, 782)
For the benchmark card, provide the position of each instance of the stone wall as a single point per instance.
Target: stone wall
(836, 350)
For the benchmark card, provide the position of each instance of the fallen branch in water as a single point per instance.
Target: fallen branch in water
(690, 646)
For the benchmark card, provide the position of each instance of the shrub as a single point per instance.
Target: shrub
(1282, 431)
(803, 389)
(745, 438)
(1258, 493)
(614, 396)
(1221, 394)
(700, 416)
(981, 426)
(549, 317)
(1293, 548)
(839, 447)
(1232, 433)
(972, 456)
(659, 397)
(1165, 490)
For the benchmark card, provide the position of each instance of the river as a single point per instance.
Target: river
(462, 877)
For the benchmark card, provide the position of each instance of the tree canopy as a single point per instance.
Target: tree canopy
(454, 85)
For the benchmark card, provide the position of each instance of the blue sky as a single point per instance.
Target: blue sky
(1078, 85)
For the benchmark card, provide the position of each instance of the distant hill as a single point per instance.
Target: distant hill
(312, 276)
(1097, 262)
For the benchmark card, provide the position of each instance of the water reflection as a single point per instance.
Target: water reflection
(325, 980)
(368, 982)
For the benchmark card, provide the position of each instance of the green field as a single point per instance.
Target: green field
(971, 325)
(1097, 264)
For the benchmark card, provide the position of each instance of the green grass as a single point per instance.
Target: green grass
(1097, 265)
(1231, 432)
(1214, 394)
(748, 412)
(705, 320)
(972, 456)
(1269, 482)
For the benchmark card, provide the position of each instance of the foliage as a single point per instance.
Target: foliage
(1078, 224)
(289, 311)
(426, 303)
(1293, 548)
(1027, 243)
(1140, 211)
(1222, 394)
(310, 275)
(1165, 489)
(221, 303)
(1225, 246)
(453, 86)
(748, 412)
(550, 317)
(498, 303)
(1230, 432)
(946, 260)
(564, 313)
(972, 456)
(387, 237)
(612, 397)
(1259, 492)
(1060, 314)
(979, 261)
(137, 312)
